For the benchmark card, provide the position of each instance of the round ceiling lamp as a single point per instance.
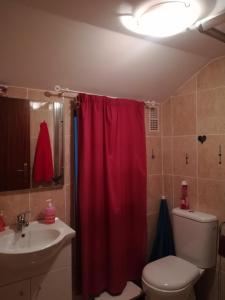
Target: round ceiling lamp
(163, 18)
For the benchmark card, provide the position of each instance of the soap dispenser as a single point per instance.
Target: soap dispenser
(2, 222)
(49, 213)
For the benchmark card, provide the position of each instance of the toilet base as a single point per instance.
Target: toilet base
(191, 297)
(155, 294)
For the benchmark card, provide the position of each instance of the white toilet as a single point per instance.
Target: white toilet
(173, 277)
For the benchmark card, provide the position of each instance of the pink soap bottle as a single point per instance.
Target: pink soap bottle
(49, 213)
(2, 222)
(184, 195)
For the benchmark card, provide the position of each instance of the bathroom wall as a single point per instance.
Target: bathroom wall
(15, 202)
(197, 108)
(154, 176)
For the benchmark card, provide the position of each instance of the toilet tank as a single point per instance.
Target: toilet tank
(195, 237)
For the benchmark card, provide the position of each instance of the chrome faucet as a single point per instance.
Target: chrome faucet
(22, 220)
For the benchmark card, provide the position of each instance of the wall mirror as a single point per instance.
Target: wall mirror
(31, 144)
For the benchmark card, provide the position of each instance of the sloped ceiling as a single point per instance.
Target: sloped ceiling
(81, 45)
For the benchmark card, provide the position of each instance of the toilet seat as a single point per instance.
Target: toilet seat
(170, 273)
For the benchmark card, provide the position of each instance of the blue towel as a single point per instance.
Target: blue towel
(164, 243)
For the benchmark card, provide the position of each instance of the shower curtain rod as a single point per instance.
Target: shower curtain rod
(61, 91)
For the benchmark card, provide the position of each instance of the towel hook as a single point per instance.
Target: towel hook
(220, 154)
(186, 159)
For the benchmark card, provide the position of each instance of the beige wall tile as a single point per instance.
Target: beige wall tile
(166, 118)
(167, 155)
(192, 191)
(151, 231)
(68, 160)
(68, 116)
(212, 197)
(13, 203)
(213, 75)
(17, 92)
(211, 111)
(168, 190)
(222, 286)
(184, 114)
(69, 208)
(154, 191)
(189, 87)
(67, 173)
(206, 287)
(183, 146)
(208, 157)
(58, 196)
(154, 155)
(222, 258)
(38, 203)
(222, 292)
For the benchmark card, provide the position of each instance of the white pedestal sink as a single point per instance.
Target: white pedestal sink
(36, 264)
(35, 243)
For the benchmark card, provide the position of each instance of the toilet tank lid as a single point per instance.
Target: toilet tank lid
(194, 215)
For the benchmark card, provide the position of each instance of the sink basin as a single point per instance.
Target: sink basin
(34, 244)
(28, 241)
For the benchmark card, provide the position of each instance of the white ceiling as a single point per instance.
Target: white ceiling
(82, 45)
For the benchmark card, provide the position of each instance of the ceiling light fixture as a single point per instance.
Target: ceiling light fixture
(160, 18)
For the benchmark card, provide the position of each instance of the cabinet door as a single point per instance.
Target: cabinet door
(53, 285)
(15, 144)
(16, 291)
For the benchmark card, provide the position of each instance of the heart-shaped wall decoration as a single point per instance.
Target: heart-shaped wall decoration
(202, 138)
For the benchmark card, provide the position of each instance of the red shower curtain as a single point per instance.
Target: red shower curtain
(111, 193)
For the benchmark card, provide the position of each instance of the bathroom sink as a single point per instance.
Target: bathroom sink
(34, 244)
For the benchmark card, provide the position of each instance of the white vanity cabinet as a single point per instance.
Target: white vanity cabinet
(54, 285)
(47, 281)
(16, 291)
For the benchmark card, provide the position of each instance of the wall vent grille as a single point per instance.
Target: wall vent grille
(153, 119)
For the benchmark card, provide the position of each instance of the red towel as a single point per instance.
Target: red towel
(43, 166)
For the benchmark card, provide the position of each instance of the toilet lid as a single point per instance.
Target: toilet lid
(170, 273)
